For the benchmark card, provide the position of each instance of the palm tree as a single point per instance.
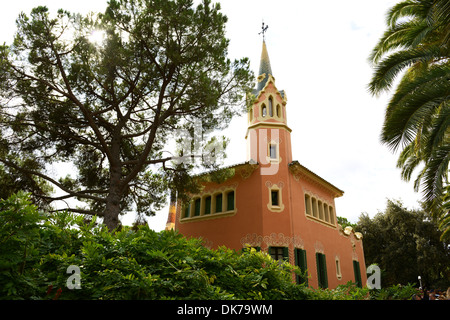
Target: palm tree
(415, 46)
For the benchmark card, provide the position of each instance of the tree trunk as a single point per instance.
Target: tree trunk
(112, 210)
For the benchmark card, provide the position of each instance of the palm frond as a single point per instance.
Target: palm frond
(387, 70)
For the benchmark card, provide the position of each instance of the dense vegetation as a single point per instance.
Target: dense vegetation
(138, 263)
(405, 243)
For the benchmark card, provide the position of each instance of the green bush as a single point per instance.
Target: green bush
(38, 248)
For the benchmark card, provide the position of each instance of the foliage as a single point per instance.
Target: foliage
(110, 107)
(416, 46)
(38, 248)
(405, 244)
(394, 292)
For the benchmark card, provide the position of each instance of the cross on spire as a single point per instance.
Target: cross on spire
(263, 30)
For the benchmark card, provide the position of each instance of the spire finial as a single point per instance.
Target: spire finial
(263, 30)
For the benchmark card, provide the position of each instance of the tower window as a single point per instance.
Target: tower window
(273, 151)
(278, 111)
(264, 110)
(270, 107)
(275, 195)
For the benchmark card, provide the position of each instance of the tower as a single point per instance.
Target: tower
(268, 135)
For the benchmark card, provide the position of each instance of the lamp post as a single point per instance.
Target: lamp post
(420, 281)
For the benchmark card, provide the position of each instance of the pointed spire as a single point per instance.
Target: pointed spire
(264, 68)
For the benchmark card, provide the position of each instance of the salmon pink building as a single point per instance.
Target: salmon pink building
(273, 203)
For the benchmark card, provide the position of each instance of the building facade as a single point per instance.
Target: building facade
(273, 203)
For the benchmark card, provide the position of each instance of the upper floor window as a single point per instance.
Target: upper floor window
(208, 205)
(275, 203)
(230, 200)
(273, 151)
(219, 198)
(275, 198)
(270, 107)
(319, 209)
(264, 110)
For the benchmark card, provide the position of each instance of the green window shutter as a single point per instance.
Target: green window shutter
(230, 201)
(321, 270)
(219, 203)
(325, 275)
(208, 205)
(197, 207)
(357, 272)
(300, 261)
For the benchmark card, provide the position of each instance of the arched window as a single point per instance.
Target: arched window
(331, 214)
(264, 110)
(197, 206)
(278, 111)
(270, 107)
(308, 204)
(219, 198)
(314, 208)
(320, 205)
(230, 201)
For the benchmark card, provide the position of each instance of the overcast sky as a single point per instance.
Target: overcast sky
(318, 52)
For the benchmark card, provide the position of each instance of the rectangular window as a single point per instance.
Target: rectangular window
(208, 205)
(331, 215)
(275, 197)
(314, 207)
(357, 272)
(308, 204)
(219, 203)
(273, 151)
(322, 277)
(320, 205)
(279, 253)
(300, 261)
(327, 214)
(197, 207)
(230, 201)
(338, 269)
(186, 210)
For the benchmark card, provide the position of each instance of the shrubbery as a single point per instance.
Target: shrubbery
(37, 249)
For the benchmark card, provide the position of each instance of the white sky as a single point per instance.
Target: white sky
(318, 52)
